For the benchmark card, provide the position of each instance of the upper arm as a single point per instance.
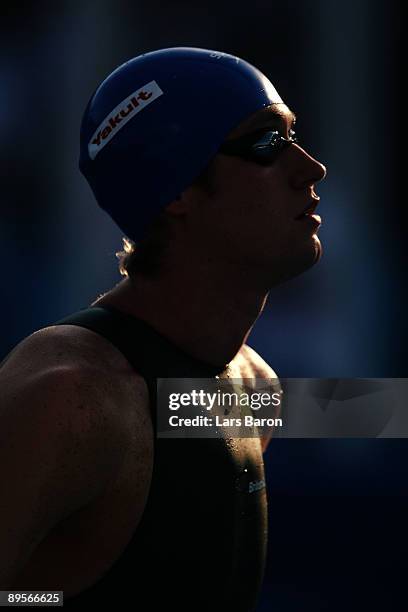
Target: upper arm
(60, 446)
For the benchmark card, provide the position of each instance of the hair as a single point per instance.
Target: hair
(146, 257)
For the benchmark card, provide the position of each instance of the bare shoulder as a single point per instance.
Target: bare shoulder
(253, 365)
(59, 345)
(57, 358)
(70, 348)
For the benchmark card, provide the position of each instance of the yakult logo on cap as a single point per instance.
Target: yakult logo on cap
(121, 114)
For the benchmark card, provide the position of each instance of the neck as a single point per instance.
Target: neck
(209, 316)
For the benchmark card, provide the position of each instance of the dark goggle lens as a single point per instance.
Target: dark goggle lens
(267, 148)
(264, 150)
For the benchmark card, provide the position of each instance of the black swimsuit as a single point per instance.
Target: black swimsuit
(201, 541)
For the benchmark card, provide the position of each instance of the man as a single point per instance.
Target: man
(192, 153)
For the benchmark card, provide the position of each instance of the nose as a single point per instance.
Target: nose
(307, 170)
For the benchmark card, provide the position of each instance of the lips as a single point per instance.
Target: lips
(309, 210)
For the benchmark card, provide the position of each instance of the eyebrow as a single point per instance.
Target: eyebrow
(269, 114)
(270, 117)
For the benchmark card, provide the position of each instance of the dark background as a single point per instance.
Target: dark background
(338, 508)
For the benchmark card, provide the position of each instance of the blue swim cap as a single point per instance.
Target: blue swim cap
(156, 121)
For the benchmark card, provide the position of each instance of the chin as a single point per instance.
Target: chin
(318, 249)
(301, 262)
(309, 258)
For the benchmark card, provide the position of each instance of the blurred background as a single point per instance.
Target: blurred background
(338, 508)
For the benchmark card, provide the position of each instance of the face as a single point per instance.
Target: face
(254, 217)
